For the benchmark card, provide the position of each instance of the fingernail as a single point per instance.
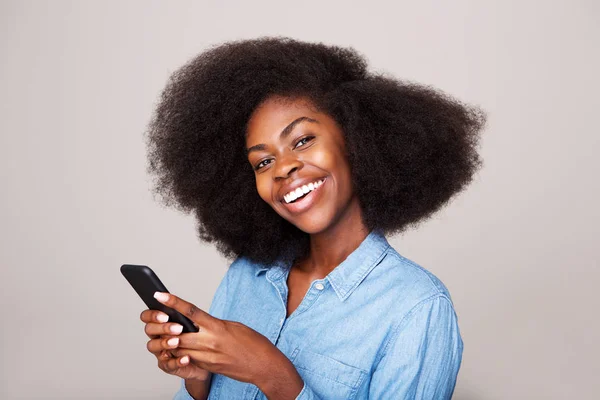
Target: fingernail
(176, 328)
(161, 296)
(162, 317)
(173, 341)
(185, 359)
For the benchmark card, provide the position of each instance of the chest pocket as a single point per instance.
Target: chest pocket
(329, 378)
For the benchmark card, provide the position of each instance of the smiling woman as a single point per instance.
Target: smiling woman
(293, 156)
(296, 162)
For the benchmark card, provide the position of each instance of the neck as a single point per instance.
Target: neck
(331, 246)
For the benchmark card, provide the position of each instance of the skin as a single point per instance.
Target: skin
(335, 224)
(224, 347)
(314, 148)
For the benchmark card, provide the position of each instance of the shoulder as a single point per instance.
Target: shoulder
(421, 301)
(409, 269)
(408, 283)
(243, 268)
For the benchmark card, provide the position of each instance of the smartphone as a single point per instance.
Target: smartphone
(146, 283)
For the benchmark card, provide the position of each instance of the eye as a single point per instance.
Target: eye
(304, 140)
(260, 164)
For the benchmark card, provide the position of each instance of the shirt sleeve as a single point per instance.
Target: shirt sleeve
(217, 309)
(422, 361)
(307, 394)
(182, 393)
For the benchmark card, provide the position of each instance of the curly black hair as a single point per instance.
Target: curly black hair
(410, 147)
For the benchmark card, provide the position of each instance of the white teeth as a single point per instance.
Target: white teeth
(294, 194)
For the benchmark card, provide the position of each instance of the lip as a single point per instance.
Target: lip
(306, 202)
(298, 183)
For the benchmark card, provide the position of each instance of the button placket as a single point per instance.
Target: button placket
(281, 288)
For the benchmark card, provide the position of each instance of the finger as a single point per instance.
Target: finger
(200, 317)
(153, 329)
(153, 316)
(202, 341)
(172, 364)
(164, 355)
(204, 359)
(155, 346)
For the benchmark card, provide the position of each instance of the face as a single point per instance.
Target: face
(300, 165)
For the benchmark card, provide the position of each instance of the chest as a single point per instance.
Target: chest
(297, 287)
(327, 341)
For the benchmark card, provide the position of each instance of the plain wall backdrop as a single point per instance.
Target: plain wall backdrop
(517, 249)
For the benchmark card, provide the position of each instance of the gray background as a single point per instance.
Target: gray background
(517, 250)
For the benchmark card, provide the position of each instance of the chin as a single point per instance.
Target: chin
(311, 224)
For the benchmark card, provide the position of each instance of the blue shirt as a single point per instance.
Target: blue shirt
(379, 326)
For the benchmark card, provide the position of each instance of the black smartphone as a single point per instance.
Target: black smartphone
(146, 283)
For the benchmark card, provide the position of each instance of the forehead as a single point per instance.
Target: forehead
(275, 113)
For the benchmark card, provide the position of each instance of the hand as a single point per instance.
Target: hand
(160, 332)
(225, 347)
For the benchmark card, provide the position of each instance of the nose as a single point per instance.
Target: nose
(286, 165)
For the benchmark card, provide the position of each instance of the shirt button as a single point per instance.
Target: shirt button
(319, 286)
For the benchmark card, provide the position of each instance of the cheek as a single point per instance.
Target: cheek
(325, 158)
(343, 171)
(263, 189)
(334, 160)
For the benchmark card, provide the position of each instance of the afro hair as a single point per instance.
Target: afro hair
(411, 147)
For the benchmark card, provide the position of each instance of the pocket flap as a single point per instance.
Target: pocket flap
(329, 368)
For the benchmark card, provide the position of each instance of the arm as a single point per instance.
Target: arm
(199, 390)
(193, 390)
(284, 383)
(423, 358)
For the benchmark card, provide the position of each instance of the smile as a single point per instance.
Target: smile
(302, 191)
(304, 197)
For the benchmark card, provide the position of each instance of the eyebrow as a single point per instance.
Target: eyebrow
(284, 133)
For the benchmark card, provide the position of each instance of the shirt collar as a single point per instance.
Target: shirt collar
(346, 277)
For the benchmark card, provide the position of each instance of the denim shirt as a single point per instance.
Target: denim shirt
(379, 326)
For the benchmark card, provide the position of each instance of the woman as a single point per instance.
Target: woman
(296, 161)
